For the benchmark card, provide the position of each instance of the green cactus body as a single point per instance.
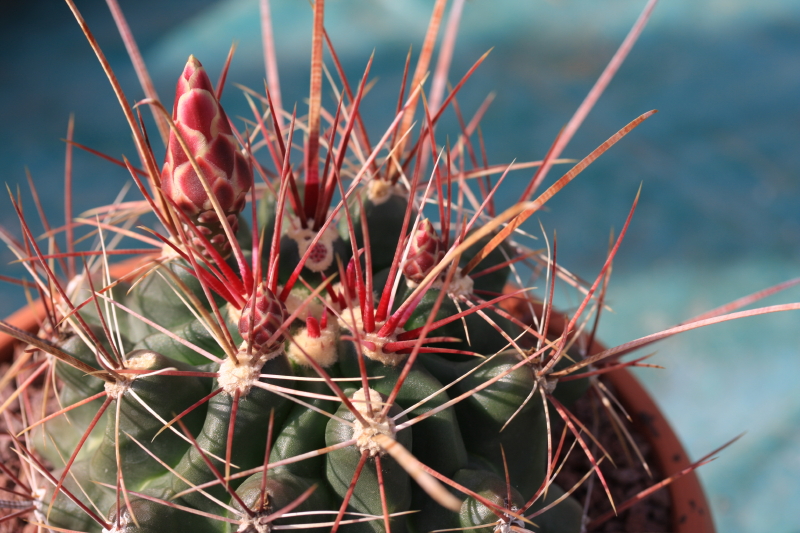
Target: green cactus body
(384, 208)
(304, 431)
(493, 488)
(156, 299)
(341, 464)
(69, 432)
(437, 439)
(441, 441)
(474, 425)
(475, 333)
(75, 380)
(484, 414)
(565, 517)
(282, 488)
(194, 332)
(153, 517)
(165, 396)
(245, 335)
(249, 433)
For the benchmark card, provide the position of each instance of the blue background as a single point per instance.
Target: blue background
(719, 165)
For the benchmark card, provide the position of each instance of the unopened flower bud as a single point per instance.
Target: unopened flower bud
(423, 252)
(204, 126)
(268, 315)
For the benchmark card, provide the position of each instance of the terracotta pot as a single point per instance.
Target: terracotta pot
(29, 317)
(691, 512)
(26, 319)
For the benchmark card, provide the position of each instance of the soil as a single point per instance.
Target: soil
(625, 480)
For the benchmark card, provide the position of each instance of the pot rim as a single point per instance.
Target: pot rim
(29, 317)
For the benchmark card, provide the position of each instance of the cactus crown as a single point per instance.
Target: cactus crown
(340, 361)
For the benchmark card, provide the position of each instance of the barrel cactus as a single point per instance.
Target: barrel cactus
(338, 342)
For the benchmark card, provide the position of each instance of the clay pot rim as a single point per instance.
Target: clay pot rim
(29, 317)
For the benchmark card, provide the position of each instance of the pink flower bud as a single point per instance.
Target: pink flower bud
(423, 253)
(268, 314)
(201, 121)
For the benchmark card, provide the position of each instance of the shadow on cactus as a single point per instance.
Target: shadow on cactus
(343, 354)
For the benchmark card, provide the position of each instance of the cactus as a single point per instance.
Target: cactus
(339, 361)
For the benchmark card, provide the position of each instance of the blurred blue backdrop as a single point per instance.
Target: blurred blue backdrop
(720, 167)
